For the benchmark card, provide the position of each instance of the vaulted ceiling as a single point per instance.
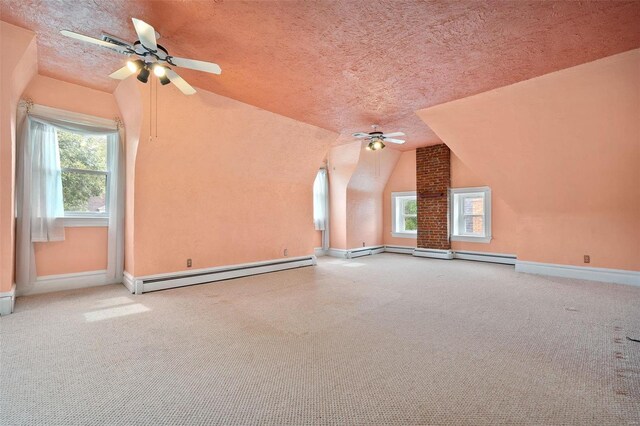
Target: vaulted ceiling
(340, 65)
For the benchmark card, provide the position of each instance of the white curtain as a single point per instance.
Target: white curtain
(320, 189)
(115, 258)
(46, 206)
(39, 198)
(321, 206)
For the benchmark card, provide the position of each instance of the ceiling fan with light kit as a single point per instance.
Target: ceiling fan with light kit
(377, 138)
(151, 57)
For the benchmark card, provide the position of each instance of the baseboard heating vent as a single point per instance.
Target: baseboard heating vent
(139, 285)
(399, 249)
(433, 253)
(365, 251)
(507, 259)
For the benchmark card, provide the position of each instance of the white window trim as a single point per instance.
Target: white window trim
(406, 234)
(88, 221)
(487, 214)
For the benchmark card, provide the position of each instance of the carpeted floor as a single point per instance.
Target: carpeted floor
(386, 339)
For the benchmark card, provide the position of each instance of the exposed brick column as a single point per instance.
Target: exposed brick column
(433, 175)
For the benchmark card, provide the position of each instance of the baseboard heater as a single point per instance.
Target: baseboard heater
(139, 285)
(507, 259)
(365, 251)
(433, 253)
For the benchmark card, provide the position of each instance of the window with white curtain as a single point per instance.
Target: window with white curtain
(471, 214)
(69, 172)
(320, 192)
(321, 205)
(404, 214)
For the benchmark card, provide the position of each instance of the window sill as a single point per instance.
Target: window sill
(80, 222)
(404, 234)
(470, 239)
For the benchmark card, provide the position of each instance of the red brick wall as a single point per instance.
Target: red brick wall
(433, 179)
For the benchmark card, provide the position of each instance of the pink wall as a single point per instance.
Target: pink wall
(503, 219)
(18, 64)
(84, 249)
(129, 95)
(342, 162)
(364, 197)
(402, 179)
(356, 181)
(563, 152)
(222, 183)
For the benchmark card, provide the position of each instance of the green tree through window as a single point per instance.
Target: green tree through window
(83, 159)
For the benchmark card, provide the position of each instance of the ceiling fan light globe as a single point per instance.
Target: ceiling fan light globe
(377, 145)
(159, 70)
(134, 65)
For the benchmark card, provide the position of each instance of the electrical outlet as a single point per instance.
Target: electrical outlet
(363, 244)
(587, 258)
(188, 263)
(286, 252)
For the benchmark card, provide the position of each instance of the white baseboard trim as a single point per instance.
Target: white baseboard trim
(8, 301)
(339, 253)
(618, 276)
(319, 252)
(129, 282)
(507, 259)
(433, 253)
(144, 284)
(51, 283)
(399, 249)
(356, 252)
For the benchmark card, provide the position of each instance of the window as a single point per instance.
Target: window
(404, 208)
(85, 177)
(471, 214)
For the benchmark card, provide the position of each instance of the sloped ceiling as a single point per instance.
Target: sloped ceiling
(340, 65)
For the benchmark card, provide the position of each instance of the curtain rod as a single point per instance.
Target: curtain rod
(29, 105)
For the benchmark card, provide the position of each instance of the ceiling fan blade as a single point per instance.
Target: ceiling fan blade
(122, 73)
(393, 140)
(360, 135)
(146, 34)
(391, 135)
(180, 83)
(82, 37)
(196, 65)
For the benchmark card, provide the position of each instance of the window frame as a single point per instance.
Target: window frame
(398, 216)
(456, 218)
(89, 219)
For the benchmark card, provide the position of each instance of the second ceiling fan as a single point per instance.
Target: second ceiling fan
(151, 57)
(377, 139)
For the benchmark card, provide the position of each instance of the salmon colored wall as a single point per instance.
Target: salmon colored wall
(503, 219)
(342, 162)
(129, 95)
(402, 179)
(18, 64)
(84, 248)
(563, 151)
(222, 183)
(364, 197)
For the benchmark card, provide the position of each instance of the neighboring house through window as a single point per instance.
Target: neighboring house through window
(404, 208)
(471, 214)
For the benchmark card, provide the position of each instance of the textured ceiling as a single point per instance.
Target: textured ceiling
(341, 65)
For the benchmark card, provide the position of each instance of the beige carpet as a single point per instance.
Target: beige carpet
(387, 339)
